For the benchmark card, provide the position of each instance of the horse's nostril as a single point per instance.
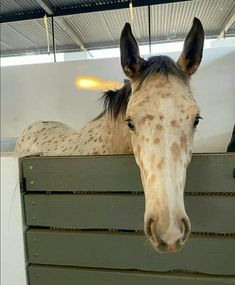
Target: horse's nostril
(177, 243)
(149, 228)
(185, 229)
(182, 226)
(162, 243)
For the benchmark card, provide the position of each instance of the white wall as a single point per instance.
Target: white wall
(13, 265)
(214, 86)
(47, 92)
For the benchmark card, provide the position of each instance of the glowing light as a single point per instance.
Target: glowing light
(92, 83)
(131, 10)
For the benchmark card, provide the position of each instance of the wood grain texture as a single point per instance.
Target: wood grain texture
(47, 275)
(128, 251)
(206, 173)
(125, 212)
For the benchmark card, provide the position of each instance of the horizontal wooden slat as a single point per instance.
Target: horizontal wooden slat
(47, 275)
(126, 212)
(206, 173)
(85, 211)
(82, 173)
(128, 251)
(211, 173)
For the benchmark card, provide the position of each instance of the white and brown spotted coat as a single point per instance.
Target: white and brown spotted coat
(101, 136)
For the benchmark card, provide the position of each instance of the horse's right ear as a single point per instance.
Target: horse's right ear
(130, 54)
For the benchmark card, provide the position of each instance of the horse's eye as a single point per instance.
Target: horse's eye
(196, 122)
(130, 124)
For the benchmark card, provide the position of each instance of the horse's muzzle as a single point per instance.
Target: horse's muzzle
(170, 241)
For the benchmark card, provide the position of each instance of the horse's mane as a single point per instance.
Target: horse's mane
(115, 101)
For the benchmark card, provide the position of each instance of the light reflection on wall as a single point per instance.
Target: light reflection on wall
(93, 83)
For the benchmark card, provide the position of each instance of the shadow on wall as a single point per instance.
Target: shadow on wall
(220, 142)
(8, 144)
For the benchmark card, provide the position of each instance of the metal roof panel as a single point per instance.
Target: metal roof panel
(169, 22)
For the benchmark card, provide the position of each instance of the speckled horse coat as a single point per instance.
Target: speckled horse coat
(98, 137)
(154, 116)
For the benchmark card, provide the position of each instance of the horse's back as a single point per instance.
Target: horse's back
(36, 136)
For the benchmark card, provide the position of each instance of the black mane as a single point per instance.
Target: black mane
(115, 101)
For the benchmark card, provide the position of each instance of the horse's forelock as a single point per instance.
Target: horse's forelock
(163, 65)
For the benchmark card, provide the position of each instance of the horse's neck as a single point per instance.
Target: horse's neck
(106, 135)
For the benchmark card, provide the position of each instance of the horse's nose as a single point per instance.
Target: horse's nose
(169, 241)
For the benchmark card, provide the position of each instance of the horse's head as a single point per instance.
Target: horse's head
(162, 116)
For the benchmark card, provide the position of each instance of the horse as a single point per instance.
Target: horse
(154, 116)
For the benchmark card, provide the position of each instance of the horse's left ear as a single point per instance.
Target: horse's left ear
(130, 54)
(191, 56)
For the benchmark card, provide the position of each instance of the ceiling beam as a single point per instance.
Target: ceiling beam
(227, 23)
(81, 8)
(40, 50)
(64, 24)
(46, 6)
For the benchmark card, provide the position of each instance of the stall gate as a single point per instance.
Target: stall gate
(85, 223)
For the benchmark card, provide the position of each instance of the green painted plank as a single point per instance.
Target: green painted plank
(128, 251)
(126, 212)
(211, 173)
(85, 211)
(48, 275)
(84, 173)
(120, 173)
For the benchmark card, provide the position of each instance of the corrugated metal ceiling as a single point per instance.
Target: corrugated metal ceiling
(169, 22)
(10, 7)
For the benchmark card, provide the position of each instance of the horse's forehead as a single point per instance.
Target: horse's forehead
(160, 93)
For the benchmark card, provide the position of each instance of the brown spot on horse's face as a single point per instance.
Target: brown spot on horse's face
(165, 94)
(152, 179)
(156, 140)
(174, 124)
(176, 151)
(149, 117)
(183, 142)
(160, 164)
(159, 127)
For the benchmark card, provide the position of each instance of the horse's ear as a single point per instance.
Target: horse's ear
(191, 56)
(130, 54)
